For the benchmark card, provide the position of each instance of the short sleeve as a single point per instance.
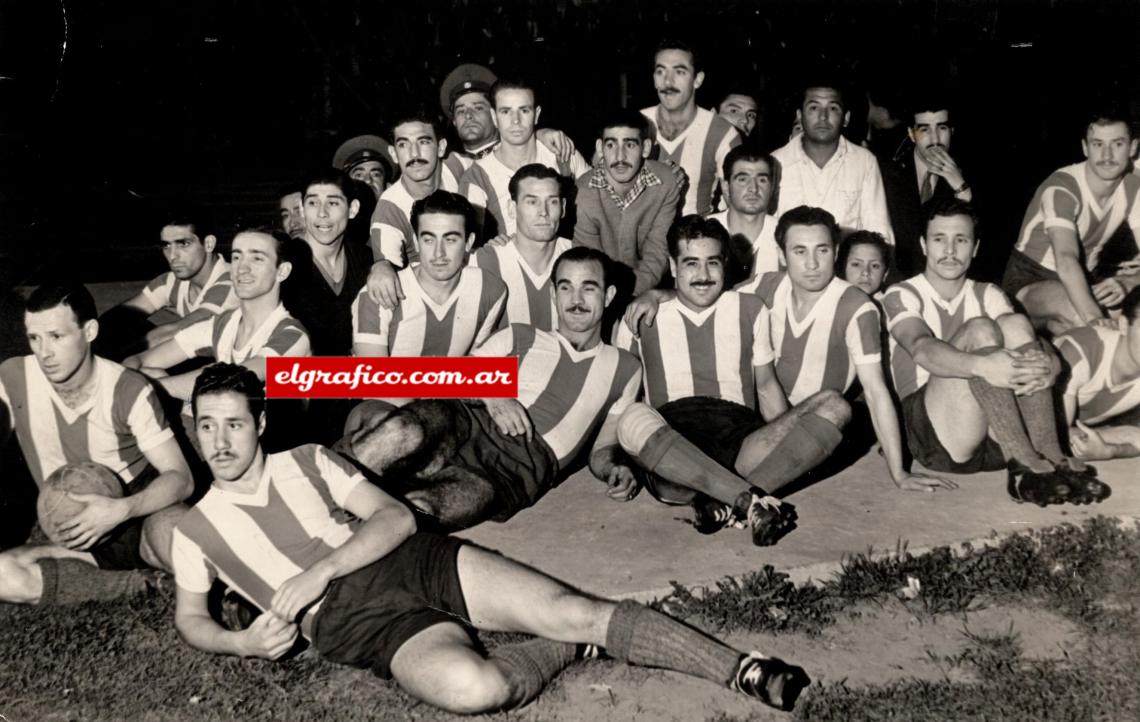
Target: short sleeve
(340, 476)
(899, 304)
(158, 290)
(190, 569)
(1060, 207)
(197, 339)
(624, 339)
(995, 302)
(628, 394)
(501, 343)
(762, 351)
(863, 335)
(147, 420)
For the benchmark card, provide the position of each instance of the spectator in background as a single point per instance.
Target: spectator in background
(749, 183)
(741, 110)
(292, 214)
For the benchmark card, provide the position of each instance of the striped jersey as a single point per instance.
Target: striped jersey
(820, 351)
(1065, 201)
(255, 542)
(217, 294)
(1089, 352)
(115, 427)
(916, 298)
(765, 250)
(421, 327)
(699, 150)
(278, 335)
(702, 353)
(567, 392)
(486, 183)
(530, 299)
(391, 235)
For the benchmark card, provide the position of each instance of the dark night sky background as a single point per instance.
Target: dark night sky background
(225, 100)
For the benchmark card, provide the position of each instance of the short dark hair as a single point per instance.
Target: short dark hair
(282, 242)
(624, 118)
(750, 153)
(512, 84)
(447, 203)
(931, 103)
(692, 227)
(806, 216)
(71, 294)
(197, 218)
(585, 254)
(862, 238)
(1108, 116)
(538, 171)
(1130, 306)
(948, 207)
(676, 43)
(329, 176)
(824, 78)
(222, 377)
(418, 115)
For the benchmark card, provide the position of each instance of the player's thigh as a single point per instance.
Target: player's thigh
(157, 533)
(504, 595)
(955, 416)
(1047, 303)
(440, 666)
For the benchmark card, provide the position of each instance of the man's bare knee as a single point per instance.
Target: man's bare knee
(157, 533)
(978, 333)
(477, 687)
(397, 437)
(830, 405)
(1016, 330)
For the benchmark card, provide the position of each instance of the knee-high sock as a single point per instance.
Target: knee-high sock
(805, 447)
(530, 666)
(70, 581)
(673, 457)
(639, 635)
(1004, 418)
(1037, 413)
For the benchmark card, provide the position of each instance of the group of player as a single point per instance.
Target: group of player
(717, 325)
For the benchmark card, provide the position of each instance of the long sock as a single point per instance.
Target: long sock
(1037, 413)
(530, 666)
(70, 581)
(638, 635)
(1004, 418)
(672, 456)
(806, 446)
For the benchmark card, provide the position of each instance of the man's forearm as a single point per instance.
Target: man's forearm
(385, 530)
(169, 487)
(202, 632)
(942, 359)
(886, 423)
(1076, 284)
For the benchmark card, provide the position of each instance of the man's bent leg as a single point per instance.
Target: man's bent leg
(456, 498)
(157, 532)
(50, 574)
(1049, 307)
(419, 437)
(644, 434)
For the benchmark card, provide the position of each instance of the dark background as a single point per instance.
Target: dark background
(108, 107)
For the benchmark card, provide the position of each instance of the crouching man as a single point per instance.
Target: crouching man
(383, 596)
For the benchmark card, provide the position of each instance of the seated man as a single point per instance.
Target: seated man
(379, 595)
(68, 405)
(1104, 385)
(1070, 219)
(707, 362)
(196, 288)
(449, 306)
(975, 381)
(627, 203)
(259, 327)
(749, 183)
(741, 110)
(463, 463)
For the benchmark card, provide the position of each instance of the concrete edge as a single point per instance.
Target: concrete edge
(808, 573)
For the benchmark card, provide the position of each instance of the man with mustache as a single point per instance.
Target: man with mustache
(694, 138)
(197, 287)
(975, 380)
(626, 205)
(921, 171)
(485, 182)
(366, 159)
(1070, 219)
(749, 183)
(821, 169)
(461, 463)
(379, 593)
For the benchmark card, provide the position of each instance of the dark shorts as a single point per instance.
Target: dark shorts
(119, 550)
(1021, 271)
(369, 614)
(927, 449)
(521, 471)
(715, 426)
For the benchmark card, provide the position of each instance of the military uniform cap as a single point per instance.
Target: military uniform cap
(466, 78)
(355, 151)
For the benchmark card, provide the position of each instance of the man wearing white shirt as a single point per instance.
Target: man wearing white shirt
(821, 169)
(749, 179)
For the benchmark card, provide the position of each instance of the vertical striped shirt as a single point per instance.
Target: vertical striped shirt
(699, 150)
(820, 351)
(421, 327)
(530, 298)
(765, 250)
(486, 183)
(916, 298)
(115, 427)
(217, 294)
(567, 392)
(1064, 200)
(702, 353)
(255, 542)
(391, 235)
(1089, 352)
(278, 335)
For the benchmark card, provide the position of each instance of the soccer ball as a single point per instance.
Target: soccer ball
(54, 507)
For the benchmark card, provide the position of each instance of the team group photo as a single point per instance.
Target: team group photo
(781, 286)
